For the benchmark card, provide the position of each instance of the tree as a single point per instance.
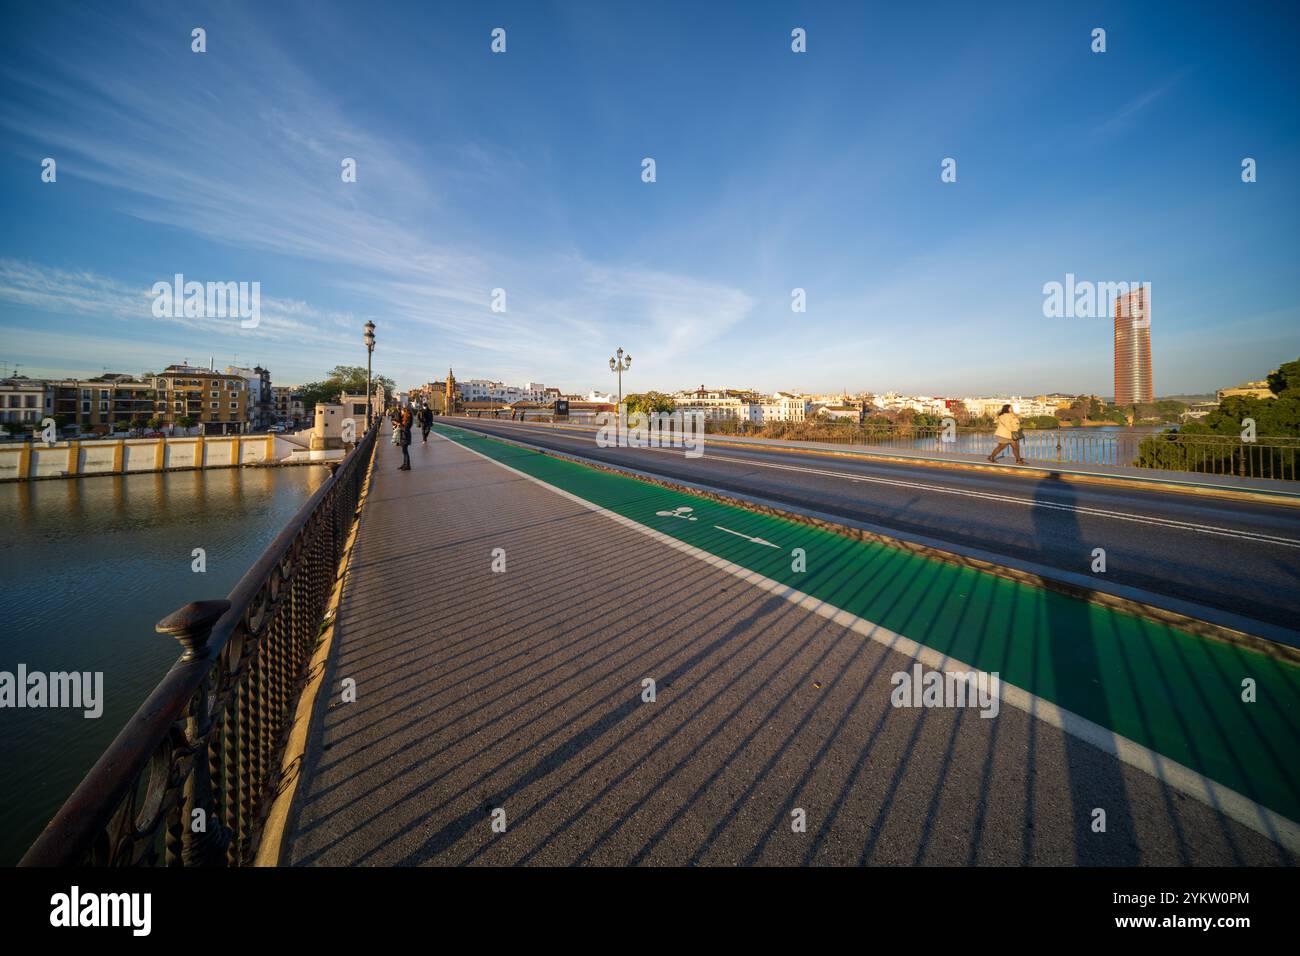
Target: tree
(187, 422)
(1284, 378)
(154, 424)
(343, 378)
(651, 403)
(1077, 412)
(1214, 443)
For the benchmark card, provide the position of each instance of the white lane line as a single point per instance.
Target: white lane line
(1257, 536)
(753, 539)
(1229, 802)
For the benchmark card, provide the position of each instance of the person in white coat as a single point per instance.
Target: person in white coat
(1008, 433)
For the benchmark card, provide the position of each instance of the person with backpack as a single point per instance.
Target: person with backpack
(1008, 433)
(426, 421)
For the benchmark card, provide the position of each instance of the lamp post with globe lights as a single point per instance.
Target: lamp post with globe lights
(370, 389)
(619, 365)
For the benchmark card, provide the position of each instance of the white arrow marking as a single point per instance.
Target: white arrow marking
(747, 537)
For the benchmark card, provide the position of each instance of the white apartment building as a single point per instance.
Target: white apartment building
(261, 397)
(1024, 407)
(722, 405)
(838, 412)
(718, 405)
(1034, 406)
(489, 390)
(23, 403)
(924, 404)
(784, 407)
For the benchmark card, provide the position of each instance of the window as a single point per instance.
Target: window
(30, 401)
(103, 393)
(103, 406)
(215, 405)
(85, 408)
(216, 395)
(234, 394)
(85, 393)
(234, 406)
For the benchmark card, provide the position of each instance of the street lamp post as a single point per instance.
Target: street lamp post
(621, 365)
(370, 352)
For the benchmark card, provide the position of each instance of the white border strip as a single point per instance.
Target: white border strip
(1229, 802)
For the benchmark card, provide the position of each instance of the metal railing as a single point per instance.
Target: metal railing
(1275, 458)
(1170, 450)
(187, 780)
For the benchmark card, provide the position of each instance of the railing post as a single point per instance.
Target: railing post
(192, 626)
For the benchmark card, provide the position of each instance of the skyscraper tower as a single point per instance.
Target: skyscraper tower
(1133, 384)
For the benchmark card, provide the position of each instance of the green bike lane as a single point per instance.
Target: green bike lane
(1177, 694)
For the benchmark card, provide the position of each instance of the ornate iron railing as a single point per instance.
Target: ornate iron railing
(187, 780)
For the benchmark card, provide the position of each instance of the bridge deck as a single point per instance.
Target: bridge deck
(523, 691)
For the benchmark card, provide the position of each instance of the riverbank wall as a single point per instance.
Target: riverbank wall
(24, 461)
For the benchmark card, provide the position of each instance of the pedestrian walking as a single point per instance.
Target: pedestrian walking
(1008, 433)
(402, 427)
(426, 422)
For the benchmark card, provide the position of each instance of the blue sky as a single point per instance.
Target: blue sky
(775, 170)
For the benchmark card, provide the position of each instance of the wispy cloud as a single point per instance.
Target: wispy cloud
(1129, 112)
(64, 292)
(264, 178)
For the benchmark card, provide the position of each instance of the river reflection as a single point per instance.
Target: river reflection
(88, 566)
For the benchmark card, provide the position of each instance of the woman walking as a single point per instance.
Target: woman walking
(402, 428)
(1008, 433)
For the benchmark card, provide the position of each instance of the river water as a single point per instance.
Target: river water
(87, 567)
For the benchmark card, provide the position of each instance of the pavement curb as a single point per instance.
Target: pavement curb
(1138, 608)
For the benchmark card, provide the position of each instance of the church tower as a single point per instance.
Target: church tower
(449, 396)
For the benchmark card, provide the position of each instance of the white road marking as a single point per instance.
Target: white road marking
(1229, 802)
(682, 512)
(749, 537)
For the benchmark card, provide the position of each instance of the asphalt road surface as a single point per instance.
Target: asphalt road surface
(1235, 556)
